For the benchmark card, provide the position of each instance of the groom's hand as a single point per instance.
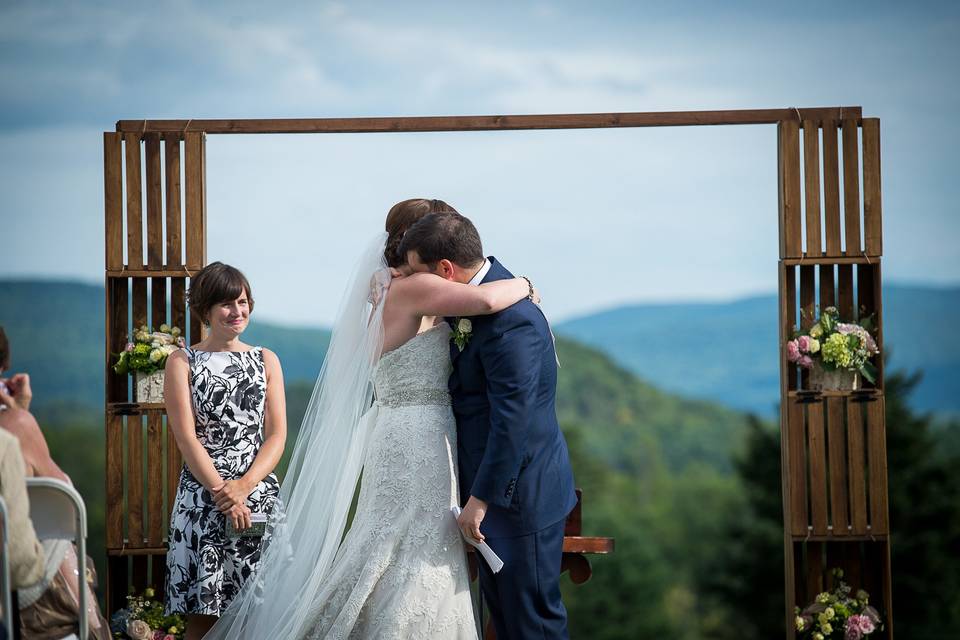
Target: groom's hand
(471, 517)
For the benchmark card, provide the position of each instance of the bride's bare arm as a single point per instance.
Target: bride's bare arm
(425, 294)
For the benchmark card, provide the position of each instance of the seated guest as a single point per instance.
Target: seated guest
(49, 605)
(26, 554)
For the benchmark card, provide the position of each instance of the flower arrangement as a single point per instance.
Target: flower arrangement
(834, 614)
(143, 619)
(835, 345)
(149, 350)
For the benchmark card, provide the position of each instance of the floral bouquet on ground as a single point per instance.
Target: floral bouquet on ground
(835, 614)
(149, 350)
(836, 346)
(143, 619)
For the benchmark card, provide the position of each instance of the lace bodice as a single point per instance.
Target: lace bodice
(420, 364)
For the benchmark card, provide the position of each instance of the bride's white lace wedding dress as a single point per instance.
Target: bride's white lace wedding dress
(401, 571)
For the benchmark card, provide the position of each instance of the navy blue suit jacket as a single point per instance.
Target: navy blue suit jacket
(511, 451)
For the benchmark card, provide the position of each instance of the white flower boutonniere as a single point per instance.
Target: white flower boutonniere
(462, 330)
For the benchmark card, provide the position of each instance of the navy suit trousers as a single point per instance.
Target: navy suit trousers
(524, 598)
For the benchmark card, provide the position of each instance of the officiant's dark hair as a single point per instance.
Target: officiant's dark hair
(401, 217)
(440, 236)
(216, 283)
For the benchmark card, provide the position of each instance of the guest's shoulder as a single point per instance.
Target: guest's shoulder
(270, 360)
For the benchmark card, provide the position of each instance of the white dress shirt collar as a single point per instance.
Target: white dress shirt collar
(480, 275)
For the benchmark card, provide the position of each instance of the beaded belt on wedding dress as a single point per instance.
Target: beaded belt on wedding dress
(415, 397)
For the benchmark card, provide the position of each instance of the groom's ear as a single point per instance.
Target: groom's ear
(446, 269)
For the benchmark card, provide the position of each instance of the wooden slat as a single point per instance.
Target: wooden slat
(831, 189)
(797, 469)
(877, 456)
(174, 239)
(836, 438)
(117, 335)
(139, 303)
(798, 582)
(135, 481)
(807, 296)
(574, 523)
(815, 570)
(487, 123)
(578, 544)
(196, 214)
(877, 278)
(834, 260)
(856, 455)
(158, 572)
(865, 299)
(174, 463)
(117, 568)
(872, 209)
(134, 202)
(158, 302)
(113, 198)
(811, 175)
(818, 468)
(114, 476)
(845, 292)
(790, 222)
(174, 272)
(828, 290)
(808, 310)
(788, 313)
(155, 507)
(178, 303)
(139, 566)
(154, 201)
(851, 187)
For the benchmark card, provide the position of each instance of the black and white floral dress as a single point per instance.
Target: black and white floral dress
(205, 567)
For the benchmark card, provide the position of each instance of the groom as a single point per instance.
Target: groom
(515, 475)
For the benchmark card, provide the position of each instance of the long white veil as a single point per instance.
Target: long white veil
(317, 491)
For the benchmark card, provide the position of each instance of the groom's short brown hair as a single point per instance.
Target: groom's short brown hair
(445, 235)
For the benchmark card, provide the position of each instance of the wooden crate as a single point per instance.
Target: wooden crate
(155, 226)
(834, 459)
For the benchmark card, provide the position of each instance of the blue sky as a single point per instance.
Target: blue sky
(597, 218)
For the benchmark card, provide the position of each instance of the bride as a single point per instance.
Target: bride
(400, 571)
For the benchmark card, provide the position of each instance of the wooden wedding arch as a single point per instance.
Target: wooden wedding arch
(834, 462)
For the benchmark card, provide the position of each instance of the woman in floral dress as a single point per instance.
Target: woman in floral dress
(225, 404)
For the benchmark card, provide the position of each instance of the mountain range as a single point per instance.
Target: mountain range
(722, 352)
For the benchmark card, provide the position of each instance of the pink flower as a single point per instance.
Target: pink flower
(159, 635)
(852, 632)
(129, 347)
(803, 342)
(169, 636)
(139, 630)
(866, 624)
(805, 361)
(793, 351)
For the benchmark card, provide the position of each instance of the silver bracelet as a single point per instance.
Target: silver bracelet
(530, 285)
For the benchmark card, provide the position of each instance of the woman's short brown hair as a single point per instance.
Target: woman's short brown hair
(401, 217)
(216, 283)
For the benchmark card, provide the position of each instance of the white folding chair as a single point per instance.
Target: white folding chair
(5, 571)
(58, 512)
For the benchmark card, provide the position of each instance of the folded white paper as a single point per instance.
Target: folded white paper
(493, 560)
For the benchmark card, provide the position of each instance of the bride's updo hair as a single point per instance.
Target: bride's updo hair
(401, 217)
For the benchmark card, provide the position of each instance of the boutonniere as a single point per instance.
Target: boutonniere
(462, 330)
